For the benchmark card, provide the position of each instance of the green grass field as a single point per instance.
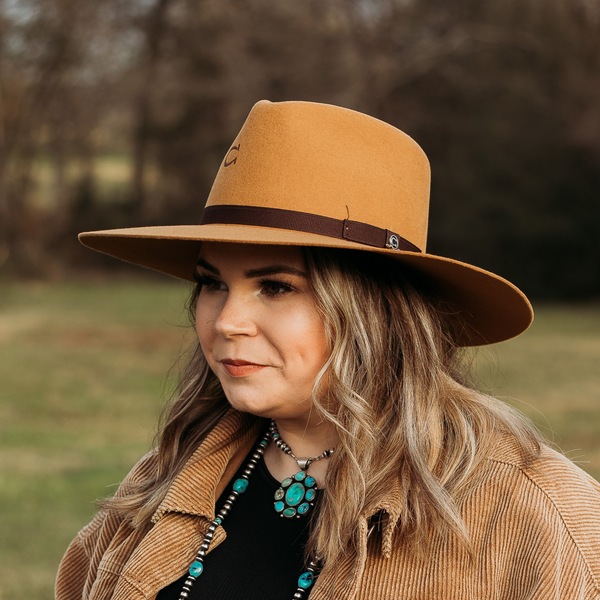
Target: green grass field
(83, 372)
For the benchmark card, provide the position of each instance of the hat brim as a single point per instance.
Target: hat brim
(492, 308)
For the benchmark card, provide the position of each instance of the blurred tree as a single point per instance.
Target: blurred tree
(504, 96)
(515, 182)
(54, 90)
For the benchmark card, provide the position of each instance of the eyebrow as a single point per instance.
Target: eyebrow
(274, 270)
(261, 272)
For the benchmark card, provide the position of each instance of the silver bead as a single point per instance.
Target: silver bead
(201, 554)
(248, 471)
(183, 595)
(209, 536)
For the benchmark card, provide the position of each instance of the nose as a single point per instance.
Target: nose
(235, 318)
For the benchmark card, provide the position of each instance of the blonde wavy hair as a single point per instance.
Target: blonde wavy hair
(394, 389)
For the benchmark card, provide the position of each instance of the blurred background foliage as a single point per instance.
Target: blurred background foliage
(116, 113)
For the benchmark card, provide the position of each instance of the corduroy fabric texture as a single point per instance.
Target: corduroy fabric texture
(535, 529)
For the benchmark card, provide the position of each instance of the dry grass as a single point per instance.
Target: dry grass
(83, 375)
(552, 374)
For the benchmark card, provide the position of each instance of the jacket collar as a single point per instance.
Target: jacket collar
(208, 471)
(386, 516)
(196, 488)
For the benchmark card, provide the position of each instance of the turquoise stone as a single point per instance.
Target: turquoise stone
(196, 569)
(279, 494)
(289, 512)
(240, 485)
(287, 481)
(303, 508)
(310, 481)
(294, 494)
(300, 475)
(305, 580)
(310, 495)
(219, 520)
(279, 506)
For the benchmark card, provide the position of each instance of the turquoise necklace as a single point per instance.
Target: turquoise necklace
(297, 493)
(305, 581)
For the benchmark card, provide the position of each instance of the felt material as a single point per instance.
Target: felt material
(335, 163)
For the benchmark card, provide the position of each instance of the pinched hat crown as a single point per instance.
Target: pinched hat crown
(308, 174)
(294, 162)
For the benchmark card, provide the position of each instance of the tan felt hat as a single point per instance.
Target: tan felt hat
(307, 174)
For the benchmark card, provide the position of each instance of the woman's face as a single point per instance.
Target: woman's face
(258, 327)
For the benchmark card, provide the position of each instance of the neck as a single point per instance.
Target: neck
(306, 440)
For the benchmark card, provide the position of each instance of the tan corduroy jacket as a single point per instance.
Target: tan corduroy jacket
(535, 530)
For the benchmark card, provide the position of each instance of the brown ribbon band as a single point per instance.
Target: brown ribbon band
(279, 218)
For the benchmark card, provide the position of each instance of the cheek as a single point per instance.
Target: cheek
(306, 337)
(204, 321)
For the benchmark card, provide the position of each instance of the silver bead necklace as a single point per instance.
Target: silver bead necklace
(305, 581)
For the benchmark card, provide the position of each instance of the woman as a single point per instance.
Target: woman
(323, 421)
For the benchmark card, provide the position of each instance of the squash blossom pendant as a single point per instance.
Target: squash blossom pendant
(296, 496)
(298, 493)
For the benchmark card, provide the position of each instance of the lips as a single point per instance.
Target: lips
(240, 368)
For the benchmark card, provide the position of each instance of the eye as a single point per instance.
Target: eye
(273, 288)
(209, 283)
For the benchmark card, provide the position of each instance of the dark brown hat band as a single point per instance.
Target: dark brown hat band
(279, 218)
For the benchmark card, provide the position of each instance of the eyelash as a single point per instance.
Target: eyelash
(204, 281)
(212, 285)
(287, 287)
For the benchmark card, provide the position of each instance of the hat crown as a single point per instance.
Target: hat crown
(328, 161)
(318, 175)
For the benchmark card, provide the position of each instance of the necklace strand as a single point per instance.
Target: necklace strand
(305, 581)
(303, 463)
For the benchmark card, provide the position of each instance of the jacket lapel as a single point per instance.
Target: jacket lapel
(183, 516)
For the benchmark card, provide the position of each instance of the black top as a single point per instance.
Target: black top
(262, 557)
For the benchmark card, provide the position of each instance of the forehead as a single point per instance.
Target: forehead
(222, 254)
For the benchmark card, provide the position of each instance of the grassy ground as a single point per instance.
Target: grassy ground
(83, 372)
(552, 375)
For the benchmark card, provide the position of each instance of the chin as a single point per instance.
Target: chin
(254, 406)
(259, 408)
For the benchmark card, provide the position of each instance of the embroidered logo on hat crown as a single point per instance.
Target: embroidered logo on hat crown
(227, 162)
